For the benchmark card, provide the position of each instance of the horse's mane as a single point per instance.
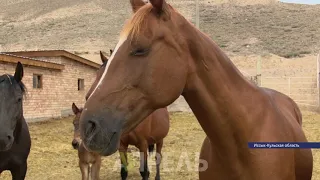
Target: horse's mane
(133, 26)
(10, 78)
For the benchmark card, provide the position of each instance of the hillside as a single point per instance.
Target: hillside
(286, 30)
(254, 27)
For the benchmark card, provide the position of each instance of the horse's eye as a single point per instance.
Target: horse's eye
(19, 100)
(140, 52)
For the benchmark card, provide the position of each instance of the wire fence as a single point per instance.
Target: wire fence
(303, 90)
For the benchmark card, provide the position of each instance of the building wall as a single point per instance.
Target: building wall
(51, 59)
(59, 89)
(69, 82)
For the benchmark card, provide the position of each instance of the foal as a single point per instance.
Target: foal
(85, 157)
(152, 130)
(15, 142)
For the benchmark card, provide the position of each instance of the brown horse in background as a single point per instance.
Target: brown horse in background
(152, 130)
(160, 56)
(89, 162)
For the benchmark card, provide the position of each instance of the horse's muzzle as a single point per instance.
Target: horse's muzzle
(75, 144)
(6, 141)
(101, 135)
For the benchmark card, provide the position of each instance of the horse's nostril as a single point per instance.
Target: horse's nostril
(75, 144)
(91, 126)
(9, 137)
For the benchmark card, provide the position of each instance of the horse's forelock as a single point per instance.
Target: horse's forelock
(11, 79)
(7, 77)
(134, 25)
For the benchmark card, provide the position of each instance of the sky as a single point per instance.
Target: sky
(302, 1)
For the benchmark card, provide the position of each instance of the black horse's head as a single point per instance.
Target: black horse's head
(11, 112)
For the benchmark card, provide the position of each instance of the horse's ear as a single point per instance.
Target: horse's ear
(136, 5)
(103, 58)
(18, 75)
(158, 5)
(111, 51)
(75, 109)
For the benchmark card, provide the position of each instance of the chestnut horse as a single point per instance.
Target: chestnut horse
(89, 162)
(160, 56)
(15, 142)
(152, 130)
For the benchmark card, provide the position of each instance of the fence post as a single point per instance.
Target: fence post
(289, 84)
(197, 14)
(258, 72)
(318, 79)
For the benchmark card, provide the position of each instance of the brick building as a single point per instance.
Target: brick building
(54, 79)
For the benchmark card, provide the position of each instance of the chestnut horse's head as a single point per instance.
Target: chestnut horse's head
(147, 70)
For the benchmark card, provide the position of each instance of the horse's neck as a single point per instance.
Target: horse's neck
(218, 94)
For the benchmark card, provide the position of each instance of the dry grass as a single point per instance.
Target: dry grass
(52, 156)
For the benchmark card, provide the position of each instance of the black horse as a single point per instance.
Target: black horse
(15, 142)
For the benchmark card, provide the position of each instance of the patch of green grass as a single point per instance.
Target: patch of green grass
(292, 55)
(305, 52)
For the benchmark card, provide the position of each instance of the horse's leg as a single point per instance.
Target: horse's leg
(84, 168)
(144, 170)
(19, 172)
(158, 158)
(95, 169)
(124, 161)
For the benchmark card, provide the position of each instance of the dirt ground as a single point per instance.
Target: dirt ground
(52, 156)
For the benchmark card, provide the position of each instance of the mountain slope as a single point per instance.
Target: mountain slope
(86, 27)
